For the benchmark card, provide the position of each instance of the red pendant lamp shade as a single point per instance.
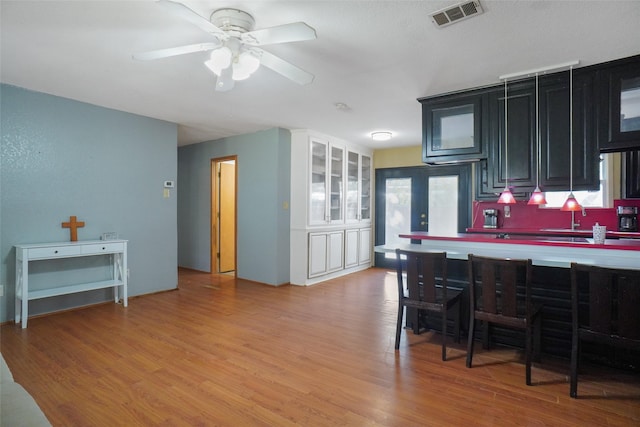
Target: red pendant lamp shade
(506, 197)
(571, 204)
(537, 198)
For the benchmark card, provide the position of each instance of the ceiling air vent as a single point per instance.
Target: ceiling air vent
(457, 12)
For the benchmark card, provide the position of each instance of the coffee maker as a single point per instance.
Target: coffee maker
(490, 218)
(627, 218)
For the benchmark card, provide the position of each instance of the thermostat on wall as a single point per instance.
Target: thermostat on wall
(168, 184)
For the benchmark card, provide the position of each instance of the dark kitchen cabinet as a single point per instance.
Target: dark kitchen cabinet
(555, 167)
(512, 159)
(454, 127)
(521, 149)
(631, 175)
(619, 106)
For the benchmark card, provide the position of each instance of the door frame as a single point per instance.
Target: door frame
(421, 173)
(214, 219)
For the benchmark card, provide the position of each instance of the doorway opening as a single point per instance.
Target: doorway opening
(224, 179)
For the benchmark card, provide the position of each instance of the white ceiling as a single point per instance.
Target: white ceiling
(377, 57)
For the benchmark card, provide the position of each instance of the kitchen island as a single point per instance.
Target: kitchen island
(551, 257)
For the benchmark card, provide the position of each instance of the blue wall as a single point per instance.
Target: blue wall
(263, 167)
(61, 157)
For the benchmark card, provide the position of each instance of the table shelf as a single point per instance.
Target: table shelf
(115, 249)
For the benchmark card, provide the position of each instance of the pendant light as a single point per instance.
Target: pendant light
(506, 197)
(537, 197)
(571, 204)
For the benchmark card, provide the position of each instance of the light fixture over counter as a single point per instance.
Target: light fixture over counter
(571, 204)
(538, 197)
(506, 197)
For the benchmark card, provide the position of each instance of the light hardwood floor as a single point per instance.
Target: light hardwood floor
(234, 353)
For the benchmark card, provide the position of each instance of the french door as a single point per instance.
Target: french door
(436, 199)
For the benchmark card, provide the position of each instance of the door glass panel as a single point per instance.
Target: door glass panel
(630, 105)
(397, 211)
(443, 205)
(318, 181)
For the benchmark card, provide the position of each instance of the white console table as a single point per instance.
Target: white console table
(117, 249)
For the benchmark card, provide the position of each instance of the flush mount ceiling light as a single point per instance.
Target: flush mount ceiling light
(381, 136)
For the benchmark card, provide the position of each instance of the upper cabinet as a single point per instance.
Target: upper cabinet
(453, 127)
(514, 158)
(358, 198)
(330, 181)
(555, 168)
(325, 182)
(619, 106)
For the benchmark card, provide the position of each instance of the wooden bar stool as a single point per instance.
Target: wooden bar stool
(500, 293)
(426, 289)
(605, 309)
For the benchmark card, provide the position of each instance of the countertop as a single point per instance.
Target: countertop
(553, 232)
(498, 236)
(547, 251)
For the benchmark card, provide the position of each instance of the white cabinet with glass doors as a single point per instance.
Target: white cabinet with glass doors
(329, 198)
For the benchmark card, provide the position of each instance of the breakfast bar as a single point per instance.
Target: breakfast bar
(551, 258)
(546, 251)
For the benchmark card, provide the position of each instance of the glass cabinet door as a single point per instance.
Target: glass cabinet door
(337, 180)
(365, 189)
(353, 167)
(619, 108)
(318, 191)
(452, 127)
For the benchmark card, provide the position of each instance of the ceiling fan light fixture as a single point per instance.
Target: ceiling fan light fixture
(246, 64)
(219, 60)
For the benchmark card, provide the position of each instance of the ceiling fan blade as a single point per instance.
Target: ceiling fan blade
(224, 82)
(294, 32)
(285, 68)
(175, 51)
(189, 15)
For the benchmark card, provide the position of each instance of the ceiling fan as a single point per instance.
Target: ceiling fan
(235, 54)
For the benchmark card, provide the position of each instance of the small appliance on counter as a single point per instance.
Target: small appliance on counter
(490, 218)
(627, 218)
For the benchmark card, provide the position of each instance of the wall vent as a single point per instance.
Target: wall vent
(456, 13)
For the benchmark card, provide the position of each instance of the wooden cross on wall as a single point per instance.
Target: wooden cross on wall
(73, 226)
